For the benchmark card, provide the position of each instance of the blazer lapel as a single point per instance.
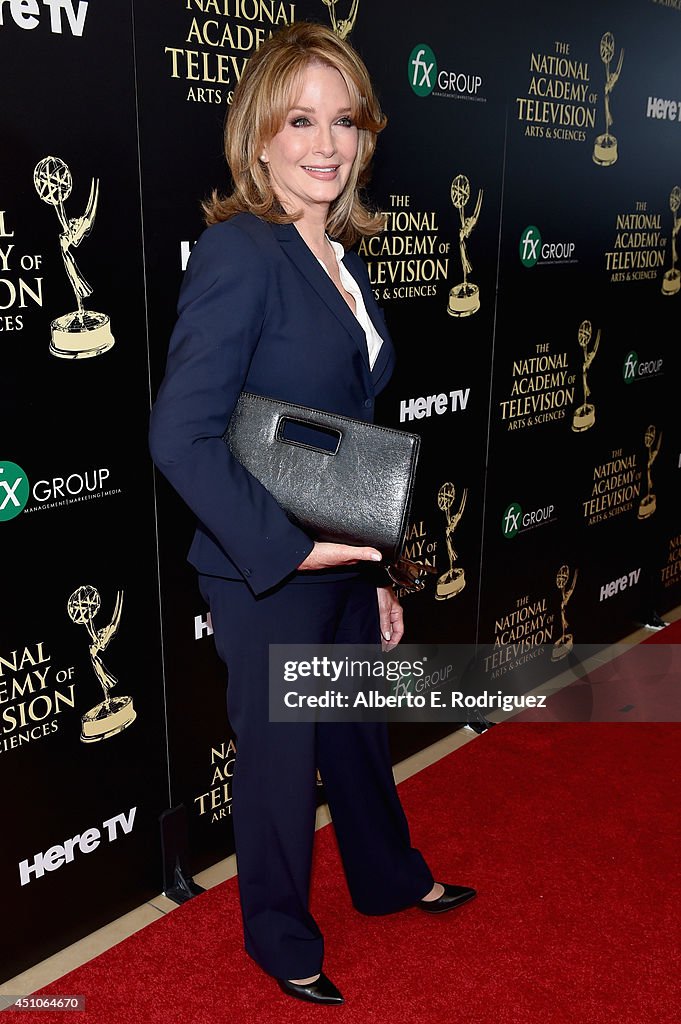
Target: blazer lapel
(378, 320)
(309, 266)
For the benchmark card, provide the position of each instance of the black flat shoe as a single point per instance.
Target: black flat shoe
(321, 991)
(453, 896)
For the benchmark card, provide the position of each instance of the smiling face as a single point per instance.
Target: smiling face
(311, 157)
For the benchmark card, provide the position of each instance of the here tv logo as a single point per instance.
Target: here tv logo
(64, 15)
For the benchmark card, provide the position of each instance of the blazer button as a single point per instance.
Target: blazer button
(246, 572)
(368, 402)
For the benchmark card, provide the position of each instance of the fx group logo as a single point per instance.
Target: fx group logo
(14, 490)
(532, 249)
(422, 69)
(635, 369)
(515, 521)
(530, 240)
(424, 77)
(52, 492)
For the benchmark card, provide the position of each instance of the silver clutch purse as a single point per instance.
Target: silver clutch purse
(340, 479)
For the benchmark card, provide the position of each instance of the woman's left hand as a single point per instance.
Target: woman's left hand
(391, 618)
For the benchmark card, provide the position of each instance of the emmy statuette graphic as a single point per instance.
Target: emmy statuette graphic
(344, 27)
(464, 298)
(605, 146)
(114, 713)
(83, 333)
(585, 416)
(453, 581)
(564, 643)
(649, 503)
(671, 282)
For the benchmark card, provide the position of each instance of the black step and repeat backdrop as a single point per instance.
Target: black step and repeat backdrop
(530, 177)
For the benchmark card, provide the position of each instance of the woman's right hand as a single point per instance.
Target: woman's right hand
(328, 556)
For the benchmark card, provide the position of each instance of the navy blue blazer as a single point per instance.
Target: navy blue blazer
(257, 312)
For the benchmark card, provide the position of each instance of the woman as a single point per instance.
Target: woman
(272, 305)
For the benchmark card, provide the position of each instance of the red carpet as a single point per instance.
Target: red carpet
(643, 684)
(570, 833)
(670, 635)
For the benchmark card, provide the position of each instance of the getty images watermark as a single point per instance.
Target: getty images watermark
(461, 683)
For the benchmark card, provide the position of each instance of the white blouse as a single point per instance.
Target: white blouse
(374, 339)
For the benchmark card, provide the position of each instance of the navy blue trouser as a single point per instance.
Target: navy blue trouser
(274, 785)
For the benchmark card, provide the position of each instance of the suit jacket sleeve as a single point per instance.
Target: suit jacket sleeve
(221, 310)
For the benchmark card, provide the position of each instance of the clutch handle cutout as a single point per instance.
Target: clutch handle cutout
(312, 428)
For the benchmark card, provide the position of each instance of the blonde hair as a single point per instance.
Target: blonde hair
(266, 92)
